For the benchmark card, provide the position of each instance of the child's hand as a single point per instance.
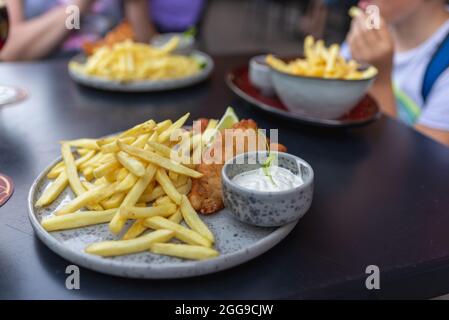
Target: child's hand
(373, 46)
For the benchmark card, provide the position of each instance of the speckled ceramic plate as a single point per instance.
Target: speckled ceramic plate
(144, 86)
(237, 243)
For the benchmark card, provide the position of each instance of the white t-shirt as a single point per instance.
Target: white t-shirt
(408, 74)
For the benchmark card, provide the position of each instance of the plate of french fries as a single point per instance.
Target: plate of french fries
(136, 67)
(119, 205)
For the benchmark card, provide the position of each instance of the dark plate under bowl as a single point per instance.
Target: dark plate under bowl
(366, 111)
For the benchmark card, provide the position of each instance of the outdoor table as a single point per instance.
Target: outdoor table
(381, 197)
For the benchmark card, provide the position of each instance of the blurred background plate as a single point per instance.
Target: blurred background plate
(238, 81)
(145, 85)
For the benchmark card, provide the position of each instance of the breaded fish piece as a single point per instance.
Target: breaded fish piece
(206, 194)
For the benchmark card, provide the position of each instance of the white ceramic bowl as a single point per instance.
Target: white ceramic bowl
(265, 208)
(260, 75)
(319, 97)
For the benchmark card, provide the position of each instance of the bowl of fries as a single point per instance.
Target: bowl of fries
(322, 84)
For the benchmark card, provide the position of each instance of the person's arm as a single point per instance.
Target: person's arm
(376, 47)
(37, 37)
(438, 135)
(138, 15)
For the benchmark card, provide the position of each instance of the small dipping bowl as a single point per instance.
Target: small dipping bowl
(263, 208)
(260, 75)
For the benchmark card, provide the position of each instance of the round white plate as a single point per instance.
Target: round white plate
(237, 242)
(144, 85)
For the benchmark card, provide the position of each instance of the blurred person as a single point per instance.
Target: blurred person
(411, 51)
(176, 15)
(38, 27)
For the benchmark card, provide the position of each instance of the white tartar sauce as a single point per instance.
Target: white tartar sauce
(281, 179)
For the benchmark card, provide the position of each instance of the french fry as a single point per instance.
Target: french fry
(122, 174)
(354, 12)
(167, 185)
(90, 196)
(82, 143)
(163, 200)
(90, 162)
(162, 126)
(56, 170)
(106, 140)
(194, 221)
(173, 176)
(171, 45)
(53, 191)
(105, 158)
(160, 161)
(164, 136)
(332, 58)
(122, 247)
(141, 141)
(88, 173)
(113, 147)
(158, 192)
(185, 251)
(185, 188)
(82, 151)
(87, 185)
(131, 199)
(139, 129)
(131, 164)
(140, 205)
(176, 217)
(182, 233)
(164, 210)
(127, 183)
(136, 229)
(162, 149)
(182, 180)
(106, 168)
(154, 194)
(114, 201)
(71, 170)
(78, 220)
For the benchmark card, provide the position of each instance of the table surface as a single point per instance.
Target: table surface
(381, 198)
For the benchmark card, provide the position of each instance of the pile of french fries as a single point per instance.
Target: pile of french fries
(130, 177)
(322, 62)
(129, 61)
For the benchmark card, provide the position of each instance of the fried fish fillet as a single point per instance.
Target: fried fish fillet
(120, 33)
(206, 194)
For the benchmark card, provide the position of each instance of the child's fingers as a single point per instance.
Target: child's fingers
(371, 35)
(360, 50)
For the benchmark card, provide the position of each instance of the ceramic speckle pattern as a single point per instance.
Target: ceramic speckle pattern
(237, 243)
(145, 85)
(267, 209)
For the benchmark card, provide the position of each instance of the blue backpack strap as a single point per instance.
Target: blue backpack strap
(437, 65)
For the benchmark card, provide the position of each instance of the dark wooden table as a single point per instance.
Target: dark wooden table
(381, 198)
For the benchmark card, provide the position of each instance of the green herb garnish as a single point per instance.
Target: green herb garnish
(266, 167)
